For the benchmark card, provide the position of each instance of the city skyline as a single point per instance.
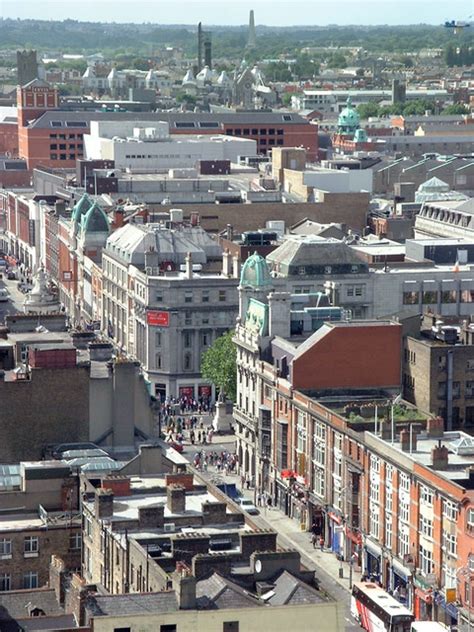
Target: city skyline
(283, 13)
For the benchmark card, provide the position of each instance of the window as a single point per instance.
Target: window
(449, 296)
(411, 298)
(469, 389)
(188, 296)
(450, 510)
(31, 546)
(123, 629)
(374, 521)
(426, 495)
(426, 561)
(470, 517)
(30, 580)
(188, 318)
(168, 627)
(403, 540)
(426, 526)
(5, 548)
(430, 297)
(470, 365)
(158, 339)
(441, 390)
(222, 296)
(5, 582)
(449, 543)
(187, 339)
(158, 361)
(205, 296)
(205, 340)
(187, 362)
(75, 541)
(388, 531)
(230, 626)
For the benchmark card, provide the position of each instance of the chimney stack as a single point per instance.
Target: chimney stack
(184, 584)
(439, 457)
(104, 503)
(435, 427)
(408, 440)
(176, 499)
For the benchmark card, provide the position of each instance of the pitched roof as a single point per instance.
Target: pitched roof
(132, 603)
(258, 117)
(15, 603)
(217, 592)
(313, 250)
(289, 590)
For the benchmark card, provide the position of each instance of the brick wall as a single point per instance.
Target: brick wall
(51, 541)
(344, 208)
(52, 407)
(263, 540)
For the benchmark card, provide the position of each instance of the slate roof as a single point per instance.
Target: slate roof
(289, 590)
(261, 118)
(219, 593)
(13, 603)
(132, 603)
(313, 250)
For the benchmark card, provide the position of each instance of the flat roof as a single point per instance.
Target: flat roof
(458, 463)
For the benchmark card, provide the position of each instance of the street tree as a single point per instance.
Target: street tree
(219, 366)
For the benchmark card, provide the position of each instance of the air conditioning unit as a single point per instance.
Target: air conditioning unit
(170, 527)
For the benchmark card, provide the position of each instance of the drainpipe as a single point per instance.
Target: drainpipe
(449, 390)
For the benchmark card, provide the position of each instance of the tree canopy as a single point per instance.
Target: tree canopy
(219, 365)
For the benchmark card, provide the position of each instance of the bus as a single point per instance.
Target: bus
(377, 611)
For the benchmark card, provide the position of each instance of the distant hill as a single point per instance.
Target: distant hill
(75, 36)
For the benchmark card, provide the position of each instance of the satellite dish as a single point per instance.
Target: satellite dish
(258, 566)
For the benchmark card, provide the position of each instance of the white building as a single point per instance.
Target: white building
(148, 146)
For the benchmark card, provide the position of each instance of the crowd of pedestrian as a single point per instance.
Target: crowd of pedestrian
(223, 462)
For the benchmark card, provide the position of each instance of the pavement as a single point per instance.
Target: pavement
(324, 563)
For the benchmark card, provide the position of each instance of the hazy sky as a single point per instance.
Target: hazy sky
(270, 12)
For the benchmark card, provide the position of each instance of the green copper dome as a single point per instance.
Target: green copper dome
(81, 208)
(95, 220)
(255, 272)
(349, 119)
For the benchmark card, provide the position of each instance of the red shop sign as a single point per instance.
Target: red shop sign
(158, 319)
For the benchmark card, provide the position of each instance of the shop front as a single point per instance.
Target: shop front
(399, 581)
(283, 490)
(446, 610)
(299, 502)
(372, 560)
(186, 392)
(353, 546)
(316, 514)
(336, 532)
(422, 599)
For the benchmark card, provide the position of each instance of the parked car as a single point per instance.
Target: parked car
(248, 506)
(4, 295)
(11, 275)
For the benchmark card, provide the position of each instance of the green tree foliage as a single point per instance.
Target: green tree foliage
(367, 110)
(183, 97)
(337, 60)
(219, 365)
(457, 108)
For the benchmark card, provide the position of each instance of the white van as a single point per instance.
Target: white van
(4, 295)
